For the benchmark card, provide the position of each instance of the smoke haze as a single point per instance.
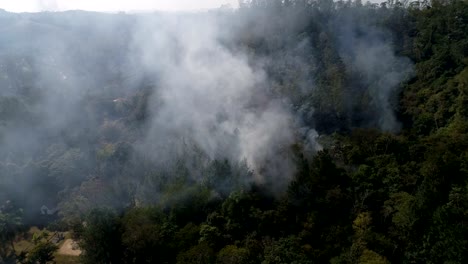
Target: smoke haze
(85, 95)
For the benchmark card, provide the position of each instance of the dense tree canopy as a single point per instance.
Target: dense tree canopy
(377, 156)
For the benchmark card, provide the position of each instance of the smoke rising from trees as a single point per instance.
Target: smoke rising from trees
(87, 97)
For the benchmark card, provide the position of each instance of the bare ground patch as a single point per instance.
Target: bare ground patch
(69, 248)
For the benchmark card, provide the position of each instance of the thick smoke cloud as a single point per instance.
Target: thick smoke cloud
(98, 101)
(211, 95)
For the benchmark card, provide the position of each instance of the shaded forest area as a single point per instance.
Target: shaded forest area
(281, 132)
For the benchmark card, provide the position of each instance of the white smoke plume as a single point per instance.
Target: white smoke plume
(211, 95)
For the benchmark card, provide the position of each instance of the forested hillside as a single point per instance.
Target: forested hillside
(285, 131)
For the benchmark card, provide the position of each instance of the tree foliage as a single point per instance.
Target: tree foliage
(385, 182)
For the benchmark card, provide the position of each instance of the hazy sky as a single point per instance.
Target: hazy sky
(111, 5)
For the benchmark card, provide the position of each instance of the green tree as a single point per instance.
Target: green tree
(199, 254)
(10, 225)
(232, 255)
(101, 238)
(42, 251)
(147, 236)
(285, 251)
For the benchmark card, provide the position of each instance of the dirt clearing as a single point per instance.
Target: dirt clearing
(69, 248)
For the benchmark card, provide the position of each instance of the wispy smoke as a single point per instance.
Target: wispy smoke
(368, 53)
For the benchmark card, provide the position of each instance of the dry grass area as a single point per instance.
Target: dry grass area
(66, 253)
(24, 243)
(66, 259)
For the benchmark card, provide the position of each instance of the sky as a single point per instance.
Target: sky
(112, 5)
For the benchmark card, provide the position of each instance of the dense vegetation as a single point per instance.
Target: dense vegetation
(379, 152)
